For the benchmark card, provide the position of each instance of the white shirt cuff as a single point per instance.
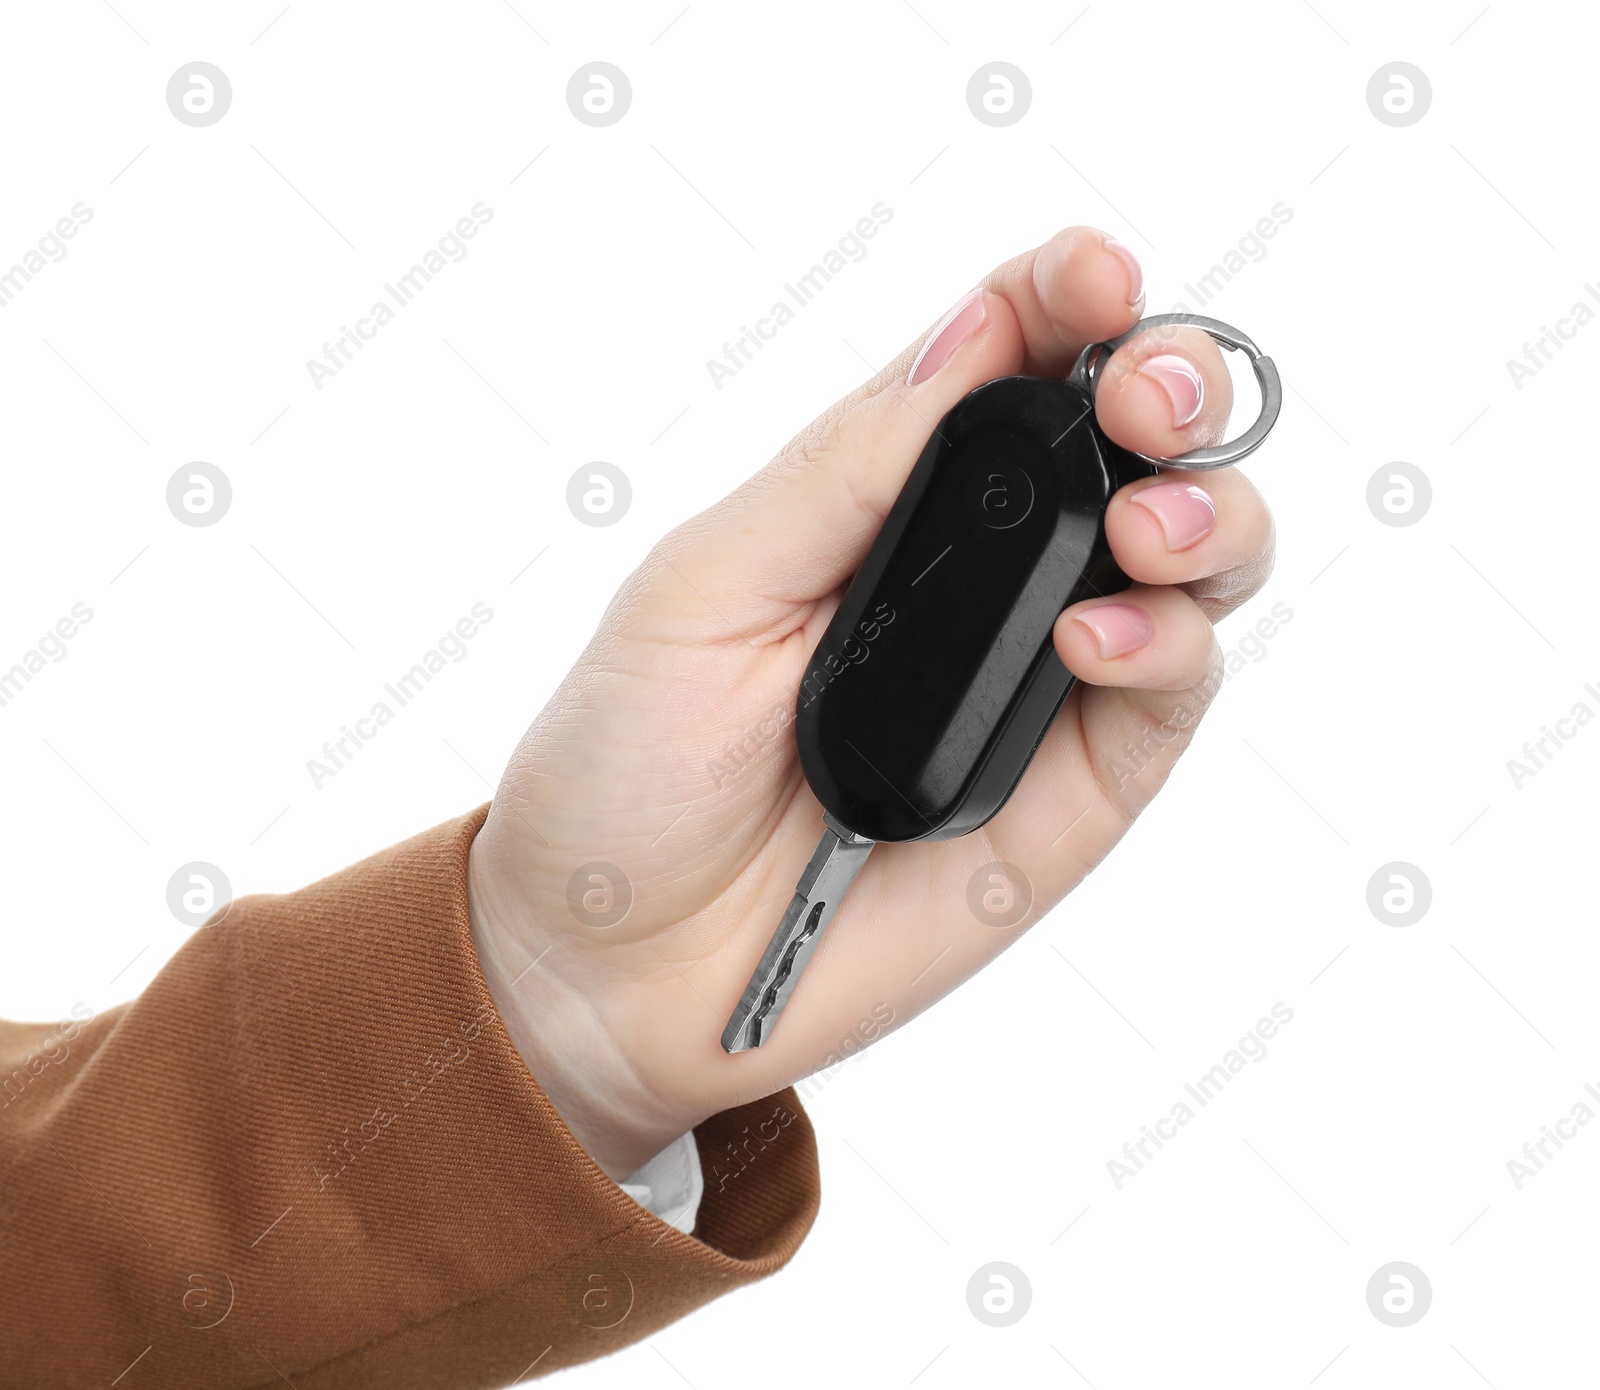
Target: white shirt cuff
(670, 1185)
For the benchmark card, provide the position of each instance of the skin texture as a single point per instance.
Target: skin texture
(710, 636)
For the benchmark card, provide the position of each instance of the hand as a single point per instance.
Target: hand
(705, 645)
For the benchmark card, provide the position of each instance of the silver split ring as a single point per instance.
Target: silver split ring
(1091, 361)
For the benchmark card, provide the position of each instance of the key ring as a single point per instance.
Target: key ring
(1087, 370)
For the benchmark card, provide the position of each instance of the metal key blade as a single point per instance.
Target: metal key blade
(833, 868)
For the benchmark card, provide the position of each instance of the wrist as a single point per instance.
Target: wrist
(558, 1025)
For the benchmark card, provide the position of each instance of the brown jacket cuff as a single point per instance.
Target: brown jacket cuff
(310, 1148)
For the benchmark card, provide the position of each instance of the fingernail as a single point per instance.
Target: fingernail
(1180, 379)
(1186, 513)
(953, 330)
(1135, 273)
(1119, 628)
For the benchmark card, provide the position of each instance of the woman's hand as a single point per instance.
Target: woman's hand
(702, 651)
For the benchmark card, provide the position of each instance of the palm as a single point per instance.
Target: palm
(668, 754)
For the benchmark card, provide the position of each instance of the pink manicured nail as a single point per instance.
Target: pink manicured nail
(1135, 273)
(1180, 379)
(1119, 628)
(953, 330)
(1186, 513)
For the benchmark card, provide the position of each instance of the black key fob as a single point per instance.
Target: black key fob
(937, 678)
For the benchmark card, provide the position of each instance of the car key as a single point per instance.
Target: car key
(937, 678)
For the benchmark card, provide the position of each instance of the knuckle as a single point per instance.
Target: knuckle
(816, 442)
(822, 437)
(1220, 593)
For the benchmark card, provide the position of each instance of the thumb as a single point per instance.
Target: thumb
(800, 527)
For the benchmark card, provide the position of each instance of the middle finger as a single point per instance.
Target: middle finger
(1209, 532)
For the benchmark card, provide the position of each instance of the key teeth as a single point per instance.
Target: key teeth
(769, 1003)
(752, 1027)
(833, 866)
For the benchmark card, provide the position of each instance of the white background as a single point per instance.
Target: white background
(431, 471)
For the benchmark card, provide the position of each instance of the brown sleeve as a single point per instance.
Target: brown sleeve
(309, 1150)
